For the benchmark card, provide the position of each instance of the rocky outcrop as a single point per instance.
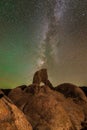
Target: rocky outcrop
(70, 90)
(43, 110)
(48, 108)
(11, 118)
(41, 76)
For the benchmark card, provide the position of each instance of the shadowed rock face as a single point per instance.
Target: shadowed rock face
(84, 89)
(6, 91)
(70, 90)
(11, 118)
(22, 87)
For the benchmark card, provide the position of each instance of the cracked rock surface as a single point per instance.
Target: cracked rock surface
(11, 118)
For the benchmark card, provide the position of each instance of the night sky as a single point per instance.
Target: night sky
(43, 33)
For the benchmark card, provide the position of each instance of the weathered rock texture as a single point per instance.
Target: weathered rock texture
(11, 118)
(42, 108)
(70, 90)
(48, 108)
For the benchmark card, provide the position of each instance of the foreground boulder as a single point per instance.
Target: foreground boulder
(11, 118)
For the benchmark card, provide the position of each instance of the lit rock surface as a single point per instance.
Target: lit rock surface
(11, 118)
(48, 108)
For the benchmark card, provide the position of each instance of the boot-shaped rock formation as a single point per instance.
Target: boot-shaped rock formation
(41, 76)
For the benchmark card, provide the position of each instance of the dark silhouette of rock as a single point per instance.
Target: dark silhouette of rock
(84, 89)
(49, 84)
(1, 95)
(22, 87)
(6, 91)
(70, 90)
(11, 118)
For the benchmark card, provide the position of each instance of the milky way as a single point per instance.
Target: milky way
(36, 34)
